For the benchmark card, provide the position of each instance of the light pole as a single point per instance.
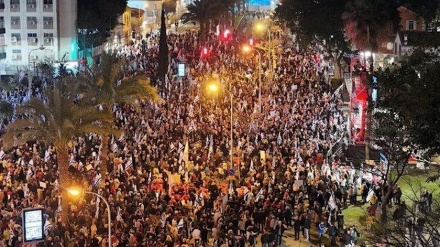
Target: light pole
(214, 88)
(77, 192)
(261, 27)
(33, 71)
(248, 49)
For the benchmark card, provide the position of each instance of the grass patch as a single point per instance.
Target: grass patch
(411, 185)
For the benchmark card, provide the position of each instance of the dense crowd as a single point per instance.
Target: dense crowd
(168, 178)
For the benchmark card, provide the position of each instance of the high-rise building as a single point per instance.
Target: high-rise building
(32, 31)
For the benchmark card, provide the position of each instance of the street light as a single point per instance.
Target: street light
(261, 28)
(33, 72)
(78, 191)
(248, 49)
(213, 87)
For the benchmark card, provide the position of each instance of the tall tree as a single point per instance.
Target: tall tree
(109, 87)
(410, 115)
(316, 21)
(163, 49)
(55, 121)
(202, 11)
(369, 23)
(96, 19)
(411, 90)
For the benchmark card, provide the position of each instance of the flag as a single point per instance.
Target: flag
(30, 173)
(251, 167)
(259, 195)
(97, 180)
(331, 202)
(279, 139)
(383, 158)
(47, 227)
(2, 154)
(231, 189)
(122, 137)
(370, 194)
(180, 224)
(129, 164)
(46, 156)
(172, 147)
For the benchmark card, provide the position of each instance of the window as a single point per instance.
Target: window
(411, 25)
(15, 39)
(16, 55)
(48, 38)
(15, 2)
(32, 35)
(47, 2)
(32, 20)
(31, 2)
(15, 22)
(47, 22)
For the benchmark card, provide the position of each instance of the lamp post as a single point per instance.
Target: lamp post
(77, 192)
(214, 88)
(247, 49)
(261, 27)
(33, 71)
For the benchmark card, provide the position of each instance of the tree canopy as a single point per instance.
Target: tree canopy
(369, 23)
(97, 18)
(312, 20)
(411, 91)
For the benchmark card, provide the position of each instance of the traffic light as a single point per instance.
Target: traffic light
(204, 53)
(226, 36)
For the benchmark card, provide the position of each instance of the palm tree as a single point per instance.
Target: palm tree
(202, 11)
(109, 87)
(55, 121)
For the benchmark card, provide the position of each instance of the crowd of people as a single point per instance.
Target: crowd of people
(169, 180)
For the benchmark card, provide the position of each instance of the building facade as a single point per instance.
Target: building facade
(32, 31)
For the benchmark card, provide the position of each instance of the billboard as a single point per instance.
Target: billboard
(33, 224)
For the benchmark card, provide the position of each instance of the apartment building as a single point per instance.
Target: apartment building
(35, 30)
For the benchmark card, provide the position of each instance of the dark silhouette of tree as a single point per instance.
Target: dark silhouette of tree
(96, 19)
(316, 21)
(163, 49)
(369, 23)
(411, 90)
(202, 11)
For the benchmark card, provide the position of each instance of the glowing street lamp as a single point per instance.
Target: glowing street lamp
(79, 191)
(260, 27)
(213, 87)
